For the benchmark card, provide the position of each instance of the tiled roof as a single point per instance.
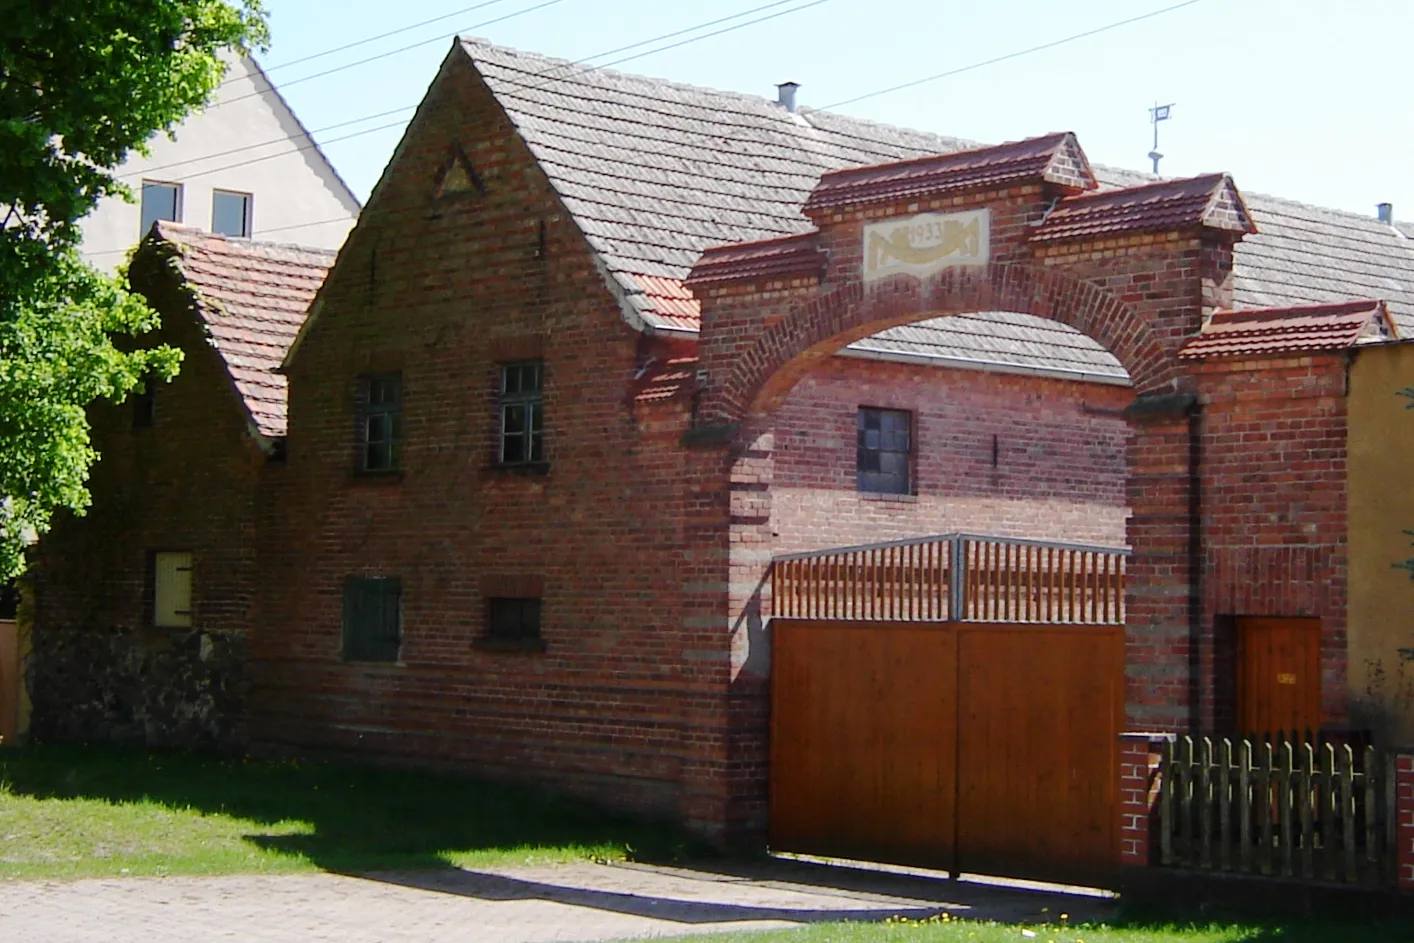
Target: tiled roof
(1259, 331)
(1055, 158)
(787, 257)
(655, 172)
(252, 297)
(1163, 206)
(1003, 339)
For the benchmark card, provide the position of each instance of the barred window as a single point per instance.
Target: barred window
(885, 450)
(522, 415)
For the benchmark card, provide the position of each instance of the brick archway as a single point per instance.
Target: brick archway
(788, 348)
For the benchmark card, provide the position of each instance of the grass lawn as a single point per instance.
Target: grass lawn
(68, 812)
(1136, 931)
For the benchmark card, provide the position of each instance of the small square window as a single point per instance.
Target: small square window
(373, 618)
(380, 422)
(230, 213)
(884, 458)
(160, 201)
(171, 589)
(522, 438)
(513, 619)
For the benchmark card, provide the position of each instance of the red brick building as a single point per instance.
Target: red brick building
(178, 488)
(601, 347)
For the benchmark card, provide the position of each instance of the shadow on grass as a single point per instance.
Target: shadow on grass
(356, 818)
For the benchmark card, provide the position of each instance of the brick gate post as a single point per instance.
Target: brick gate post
(1140, 755)
(1404, 817)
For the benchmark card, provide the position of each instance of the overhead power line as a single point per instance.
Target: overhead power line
(148, 171)
(391, 52)
(1011, 55)
(373, 39)
(548, 73)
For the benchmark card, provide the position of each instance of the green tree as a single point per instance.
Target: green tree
(82, 84)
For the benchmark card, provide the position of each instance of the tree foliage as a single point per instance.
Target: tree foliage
(82, 84)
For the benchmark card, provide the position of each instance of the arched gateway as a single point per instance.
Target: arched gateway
(1016, 228)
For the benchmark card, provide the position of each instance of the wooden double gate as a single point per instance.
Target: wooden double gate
(962, 717)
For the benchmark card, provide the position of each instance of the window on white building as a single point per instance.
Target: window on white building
(230, 213)
(160, 201)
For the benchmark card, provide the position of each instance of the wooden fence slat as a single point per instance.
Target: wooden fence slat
(1371, 864)
(1328, 812)
(1266, 768)
(1304, 781)
(1347, 810)
(1244, 799)
(1166, 788)
(1284, 805)
(1225, 804)
(1205, 804)
(1185, 799)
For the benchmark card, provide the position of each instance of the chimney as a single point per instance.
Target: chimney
(1386, 212)
(785, 95)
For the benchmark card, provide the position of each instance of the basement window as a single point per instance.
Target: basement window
(521, 405)
(513, 619)
(171, 589)
(373, 618)
(884, 457)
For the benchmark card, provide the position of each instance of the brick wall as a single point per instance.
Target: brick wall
(996, 453)
(443, 290)
(100, 670)
(1273, 509)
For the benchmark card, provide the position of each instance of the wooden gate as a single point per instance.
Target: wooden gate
(981, 746)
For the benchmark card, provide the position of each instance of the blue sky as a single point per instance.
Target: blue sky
(1303, 99)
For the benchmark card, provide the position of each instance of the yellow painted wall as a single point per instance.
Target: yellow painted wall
(1381, 508)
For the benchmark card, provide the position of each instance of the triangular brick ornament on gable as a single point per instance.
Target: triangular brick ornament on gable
(1069, 167)
(1227, 209)
(457, 176)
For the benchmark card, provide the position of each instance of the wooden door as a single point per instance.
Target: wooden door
(1041, 712)
(863, 740)
(1278, 675)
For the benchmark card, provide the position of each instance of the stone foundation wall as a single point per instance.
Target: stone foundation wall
(158, 688)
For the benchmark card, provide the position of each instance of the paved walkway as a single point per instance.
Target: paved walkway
(528, 905)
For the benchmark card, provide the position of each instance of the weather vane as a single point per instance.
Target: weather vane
(1156, 114)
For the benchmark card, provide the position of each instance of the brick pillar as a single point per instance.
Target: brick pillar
(1404, 817)
(1162, 671)
(1139, 758)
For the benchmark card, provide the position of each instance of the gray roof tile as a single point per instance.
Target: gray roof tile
(654, 172)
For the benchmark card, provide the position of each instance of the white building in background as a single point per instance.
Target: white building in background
(244, 167)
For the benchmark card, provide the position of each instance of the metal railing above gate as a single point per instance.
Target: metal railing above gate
(954, 578)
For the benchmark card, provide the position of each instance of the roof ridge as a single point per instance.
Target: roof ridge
(172, 232)
(806, 111)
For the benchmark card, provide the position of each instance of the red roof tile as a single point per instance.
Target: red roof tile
(1055, 158)
(1166, 206)
(669, 299)
(253, 297)
(1258, 331)
(788, 257)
